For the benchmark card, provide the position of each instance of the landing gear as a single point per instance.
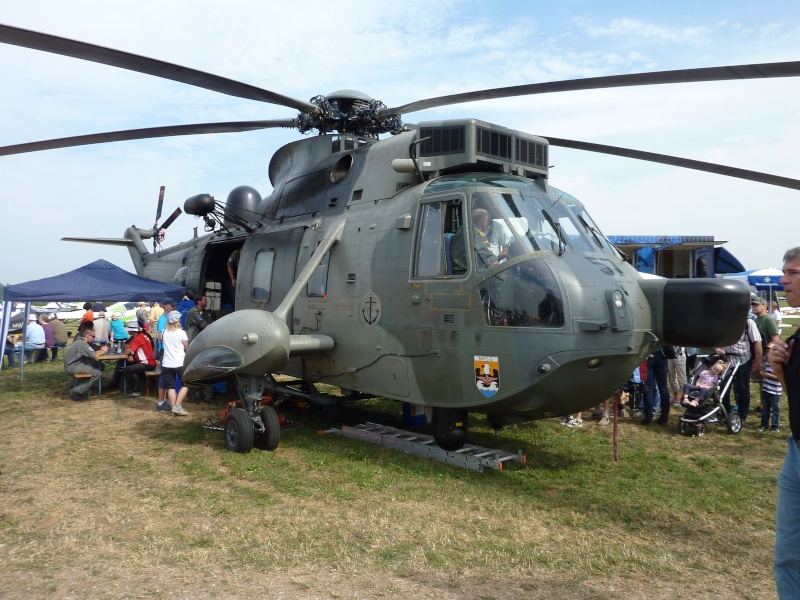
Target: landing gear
(253, 424)
(450, 428)
(239, 431)
(271, 436)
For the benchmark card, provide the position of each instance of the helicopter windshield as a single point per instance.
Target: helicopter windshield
(523, 214)
(523, 222)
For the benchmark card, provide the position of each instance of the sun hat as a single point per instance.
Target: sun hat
(174, 317)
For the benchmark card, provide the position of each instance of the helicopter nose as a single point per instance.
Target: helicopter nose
(248, 342)
(212, 364)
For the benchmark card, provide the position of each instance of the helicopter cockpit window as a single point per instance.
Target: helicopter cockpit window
(526, 295)
(318, 284)
(588, 225)
(262, 276)
(436, 242)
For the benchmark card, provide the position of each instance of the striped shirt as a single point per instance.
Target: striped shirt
(740, 351)
(771, 386)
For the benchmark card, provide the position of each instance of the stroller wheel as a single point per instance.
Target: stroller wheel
(682, 428)
(734, 422)
(700, 430)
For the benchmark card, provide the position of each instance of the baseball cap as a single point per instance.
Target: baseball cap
(169, 301)
(173, 317)
(758, 300)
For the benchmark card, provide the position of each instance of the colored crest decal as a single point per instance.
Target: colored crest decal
(487, 375)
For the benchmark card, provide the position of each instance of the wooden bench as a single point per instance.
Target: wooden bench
(147, 377)
(78, 376)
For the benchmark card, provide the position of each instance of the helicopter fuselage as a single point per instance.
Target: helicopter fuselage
(537, 316)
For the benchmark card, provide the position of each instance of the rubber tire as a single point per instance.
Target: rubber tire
(272, 430)
(682, 427)
(700, 430)
(239, 431)
(734, 422)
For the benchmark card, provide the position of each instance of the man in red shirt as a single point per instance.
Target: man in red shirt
(139, 350)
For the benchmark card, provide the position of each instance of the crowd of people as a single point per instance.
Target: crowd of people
(667, 377)
(172, 325)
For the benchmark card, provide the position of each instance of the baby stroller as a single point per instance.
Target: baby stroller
(710, 409)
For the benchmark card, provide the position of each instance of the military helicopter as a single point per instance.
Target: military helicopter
(435, 265)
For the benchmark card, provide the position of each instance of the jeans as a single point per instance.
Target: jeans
(657, 378)
(770, 403)
(741, 388)
(12, 354)
(31, 350)
(787, 526)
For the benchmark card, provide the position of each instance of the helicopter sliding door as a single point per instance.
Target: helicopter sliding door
(267, 269)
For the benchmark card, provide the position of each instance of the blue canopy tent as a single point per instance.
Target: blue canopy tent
(99, 281)
(766, 281)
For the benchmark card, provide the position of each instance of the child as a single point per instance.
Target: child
(706, 381)
(118, 333)
(771, 389)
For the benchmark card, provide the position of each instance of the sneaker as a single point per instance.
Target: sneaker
(566, 420)
(775, 430)
(163, 405)
(574, 423)
(762, 429)
(674, 401)
(604, 421)
(179, 410)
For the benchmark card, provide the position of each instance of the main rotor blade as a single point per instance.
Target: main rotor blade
(677, 161)
(758, 71)
(133, 62)
(175, 214)
(141, 134)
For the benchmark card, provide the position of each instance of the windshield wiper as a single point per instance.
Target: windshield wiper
(562, 244)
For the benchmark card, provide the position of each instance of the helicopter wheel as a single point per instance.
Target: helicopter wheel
(734, 422)
(239, 431)
(450, 428)
(271, 437)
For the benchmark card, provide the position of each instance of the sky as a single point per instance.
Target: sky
(398, 52)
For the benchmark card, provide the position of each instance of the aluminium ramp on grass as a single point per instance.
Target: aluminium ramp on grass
(470, 456)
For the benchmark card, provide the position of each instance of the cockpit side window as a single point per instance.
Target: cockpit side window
(436, 235)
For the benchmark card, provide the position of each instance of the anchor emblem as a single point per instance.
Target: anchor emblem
(371, 312)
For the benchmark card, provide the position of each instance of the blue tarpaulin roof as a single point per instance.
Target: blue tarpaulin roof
(99, 281)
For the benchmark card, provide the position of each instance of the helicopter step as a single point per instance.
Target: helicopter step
(470, 456)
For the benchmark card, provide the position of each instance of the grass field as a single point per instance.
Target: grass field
(109, 499)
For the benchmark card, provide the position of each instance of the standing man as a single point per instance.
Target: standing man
(142, 315)
(198, 319)
(154, 315)
(657, 371)
(784, 357)
(767, 326)
(740, 354)
(677, 374)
